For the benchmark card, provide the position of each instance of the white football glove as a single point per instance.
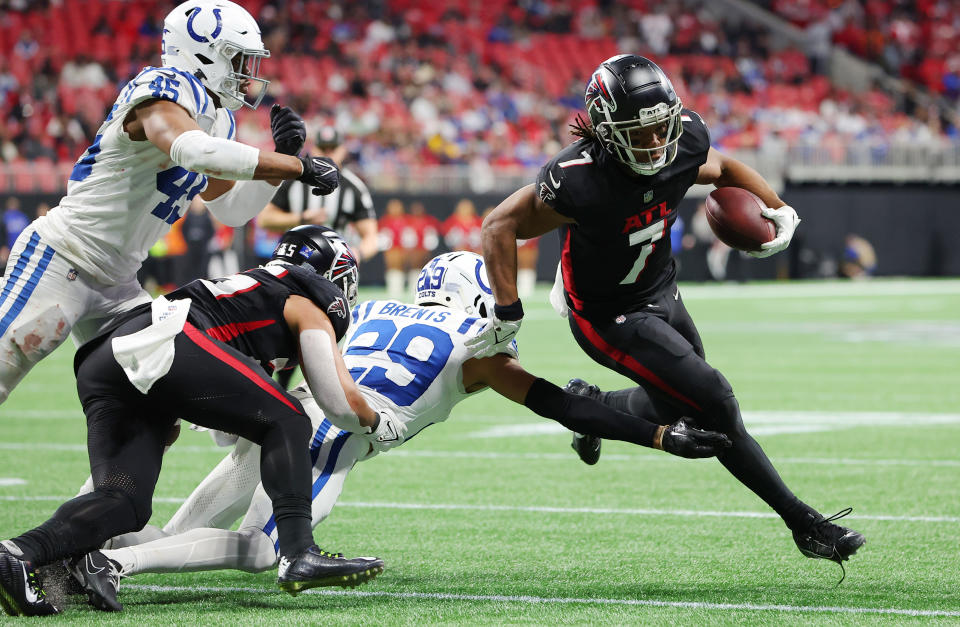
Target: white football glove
(786, 220)
(389, 432)
(494, 337)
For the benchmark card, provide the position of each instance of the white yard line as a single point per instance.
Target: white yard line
(615, 511)
(659, 458)
(535, 600)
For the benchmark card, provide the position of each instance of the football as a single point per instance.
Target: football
(734, 215)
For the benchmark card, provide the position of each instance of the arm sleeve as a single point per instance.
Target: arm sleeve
(319, 366)
(587, 416)
(242, 203)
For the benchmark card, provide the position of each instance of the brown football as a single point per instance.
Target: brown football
(734, 215)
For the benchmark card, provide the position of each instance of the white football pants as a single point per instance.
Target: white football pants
(196, 538)
(42, 299)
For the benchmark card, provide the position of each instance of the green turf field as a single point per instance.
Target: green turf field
(852, 388)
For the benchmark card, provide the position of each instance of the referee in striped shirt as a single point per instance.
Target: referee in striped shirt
(349, 205)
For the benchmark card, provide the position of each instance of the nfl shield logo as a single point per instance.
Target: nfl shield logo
(620, 319)
(72, 275)
(648, 196)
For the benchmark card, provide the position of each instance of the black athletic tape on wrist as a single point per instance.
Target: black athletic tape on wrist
(513, 311)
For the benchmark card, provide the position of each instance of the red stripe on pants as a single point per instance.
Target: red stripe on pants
(208, 345)
(626, 360)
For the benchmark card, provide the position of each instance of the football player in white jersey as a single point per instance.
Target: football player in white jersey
(410, 358)
(168, 137)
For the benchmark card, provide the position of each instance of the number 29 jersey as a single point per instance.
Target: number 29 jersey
(617, 255)
(409, 358)
(124, 195)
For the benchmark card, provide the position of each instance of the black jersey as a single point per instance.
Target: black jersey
(245, 310)
(618, 255)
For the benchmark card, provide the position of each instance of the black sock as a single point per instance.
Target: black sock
(637, 402)
(746, 461)
(79, 526)
(294, 533)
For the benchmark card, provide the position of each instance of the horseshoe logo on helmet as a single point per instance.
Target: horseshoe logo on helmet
(200, 38)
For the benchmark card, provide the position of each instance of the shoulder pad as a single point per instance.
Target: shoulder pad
(694, 124)
(166, 83)
(567, 181)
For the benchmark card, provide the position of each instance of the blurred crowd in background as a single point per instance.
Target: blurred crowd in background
(487, 84)
(493, 82)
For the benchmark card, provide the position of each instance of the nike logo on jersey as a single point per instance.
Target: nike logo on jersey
(676, 295)
(556, 183)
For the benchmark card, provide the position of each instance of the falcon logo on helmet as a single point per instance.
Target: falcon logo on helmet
(635, 113)
(321, 250)
(218, 42)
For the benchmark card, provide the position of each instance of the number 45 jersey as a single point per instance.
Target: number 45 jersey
(409, 358)
(617, 255)
(124, 195)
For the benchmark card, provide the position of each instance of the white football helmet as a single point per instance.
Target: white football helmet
(218, 42)
(457, 280)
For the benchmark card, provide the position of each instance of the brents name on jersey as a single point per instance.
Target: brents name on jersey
(417, 313)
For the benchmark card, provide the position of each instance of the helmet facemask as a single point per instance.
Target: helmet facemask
(344, 274)
(622, 139)
(245, 72)
(219, 43)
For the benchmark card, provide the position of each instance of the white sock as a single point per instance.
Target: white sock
(147, 534)
(198, 549)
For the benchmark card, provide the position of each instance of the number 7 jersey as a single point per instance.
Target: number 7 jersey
(124, 195)
(409, 358)
(617, 255)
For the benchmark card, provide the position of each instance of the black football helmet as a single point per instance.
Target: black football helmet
(322, 250)
(630, 99)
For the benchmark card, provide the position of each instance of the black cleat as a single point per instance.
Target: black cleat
(314, 567)
(21, 592)
(586, 446)
(99, 576)
(820, 538)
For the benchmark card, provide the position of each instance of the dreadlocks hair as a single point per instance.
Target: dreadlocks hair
(582, 127)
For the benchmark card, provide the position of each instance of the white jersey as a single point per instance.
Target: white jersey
(409, 358)
(124, 195)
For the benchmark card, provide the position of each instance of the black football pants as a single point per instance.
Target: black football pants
(659, 348)
(209, 384)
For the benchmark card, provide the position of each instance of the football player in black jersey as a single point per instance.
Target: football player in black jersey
(204, 354)
(613, 196)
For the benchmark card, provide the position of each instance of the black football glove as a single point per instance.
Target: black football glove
(289, 131)
(682, 440)
(321, 173)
